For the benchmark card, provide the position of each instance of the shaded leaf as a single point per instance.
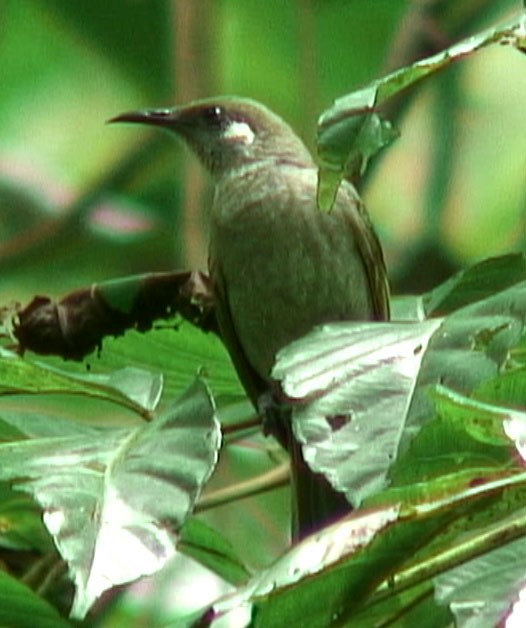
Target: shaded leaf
(9, 432)
(21, 607)
(475, 283)
(350, 132)
(212, 550)
(105, 30)
(360, 137)
(470, 285)
(21, 526)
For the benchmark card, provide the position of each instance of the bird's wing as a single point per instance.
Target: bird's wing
(373, 260)
(314, 500)
(253, 384)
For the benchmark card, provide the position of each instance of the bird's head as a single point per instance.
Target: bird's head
(227, 133)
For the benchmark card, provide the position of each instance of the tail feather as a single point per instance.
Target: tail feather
(314, 502)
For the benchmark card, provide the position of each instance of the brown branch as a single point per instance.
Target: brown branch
(76, 325)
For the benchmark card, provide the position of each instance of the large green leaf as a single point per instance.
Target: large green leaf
(331, 577)
(352, 386)
(474, 284)
(360, 391)
(21, 607)
(351, 131)
(111, 500)
(175, 349)
(131, 387)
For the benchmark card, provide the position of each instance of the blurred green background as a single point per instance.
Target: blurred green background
(81, 201)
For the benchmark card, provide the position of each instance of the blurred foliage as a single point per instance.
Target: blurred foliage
(82, 202)
(93, 202)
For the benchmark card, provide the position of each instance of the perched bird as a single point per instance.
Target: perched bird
(278, 265)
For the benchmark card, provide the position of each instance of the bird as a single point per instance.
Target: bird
(279, 266)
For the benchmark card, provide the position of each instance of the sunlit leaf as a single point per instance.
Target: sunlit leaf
(330, 576)
(355, 383)
(360, 391)
(111, 501)
(486, 591)
(483, 421)
(309, 557)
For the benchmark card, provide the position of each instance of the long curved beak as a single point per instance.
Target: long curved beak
(155, 117)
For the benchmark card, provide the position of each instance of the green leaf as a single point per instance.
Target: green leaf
(22, 608)
(175, 349)
(352, 386)
(360, 392)
(111, 499)
(9, 432)
(212, 550)
(306, 581)
(440, 449)
(475, 283)
(135, 389)
(350, 132)
(508, 388)
(482, 421)
(21, 526)
(333, 575)
(354, 140)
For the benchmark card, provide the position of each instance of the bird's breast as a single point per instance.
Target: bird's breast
(284, 266)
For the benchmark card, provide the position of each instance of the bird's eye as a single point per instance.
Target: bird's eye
(214, 115)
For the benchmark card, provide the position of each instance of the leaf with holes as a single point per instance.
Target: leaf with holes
(360, 392)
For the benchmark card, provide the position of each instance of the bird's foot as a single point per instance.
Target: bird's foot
(275, 416)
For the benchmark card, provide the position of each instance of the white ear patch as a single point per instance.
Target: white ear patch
(239, 132)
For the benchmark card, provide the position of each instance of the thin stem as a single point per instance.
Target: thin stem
(38, 569)
(497, 536)
(275, 478)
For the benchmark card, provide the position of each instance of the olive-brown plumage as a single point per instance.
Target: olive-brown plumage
(279, 266)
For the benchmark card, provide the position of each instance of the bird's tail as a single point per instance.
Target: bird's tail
(315, 503)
